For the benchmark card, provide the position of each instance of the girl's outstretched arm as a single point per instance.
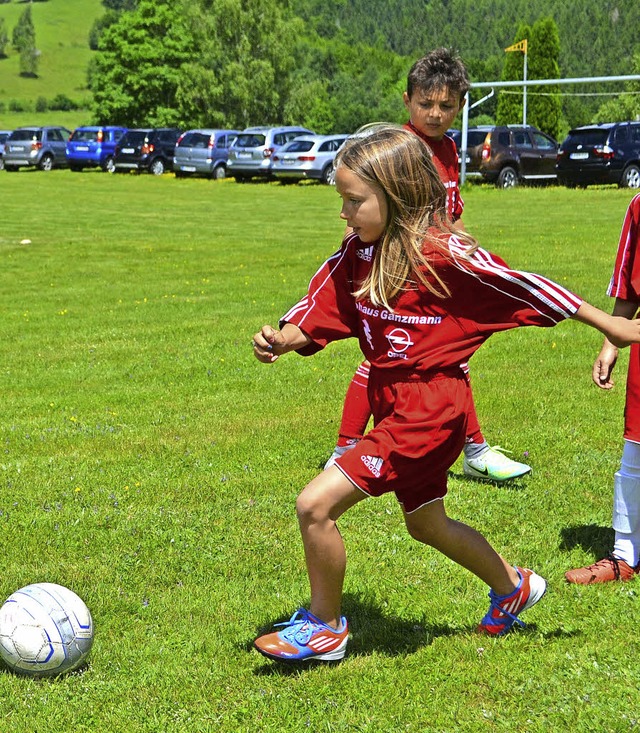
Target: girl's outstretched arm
(269, 343)
(620, 331)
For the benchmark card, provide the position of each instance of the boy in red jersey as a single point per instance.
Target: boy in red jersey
(624, 561)
(436, 89)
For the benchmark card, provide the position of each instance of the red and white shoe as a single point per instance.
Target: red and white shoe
(305, 637)
(503, 611)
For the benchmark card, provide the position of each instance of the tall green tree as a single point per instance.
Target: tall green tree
(545, 103)
(240, 68)
(510, 100)
(135, 74)
(24, 41)
(24, 32)
(4, 38)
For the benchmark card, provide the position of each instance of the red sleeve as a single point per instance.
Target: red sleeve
(625, 281)
(327, 312)
(515, 298)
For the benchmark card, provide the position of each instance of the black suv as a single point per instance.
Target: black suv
(604, 153)
(511, 154)
(146, 150)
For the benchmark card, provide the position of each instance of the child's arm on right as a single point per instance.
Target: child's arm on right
(269, 343)
(608, 356)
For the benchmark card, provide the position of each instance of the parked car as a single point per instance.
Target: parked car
(92, 146)
(146, 149)
(308, 156)
(515, 153)
(475, 139)
(604, 153)
(251, 153)
(40, 147)
(4, 134)
(203, 151)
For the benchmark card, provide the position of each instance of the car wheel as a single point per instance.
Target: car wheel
(219, 173)
(46, 163)
(631, 177)
(157, 167)
(508, 178)
(329, 175)
(109, 166)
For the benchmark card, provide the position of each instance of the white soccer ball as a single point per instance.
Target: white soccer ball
(45, 630)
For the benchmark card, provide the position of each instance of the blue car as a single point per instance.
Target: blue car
(89, 147)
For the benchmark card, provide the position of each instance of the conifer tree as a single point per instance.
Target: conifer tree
(544, 106)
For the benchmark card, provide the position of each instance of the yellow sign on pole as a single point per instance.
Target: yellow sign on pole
(520, 46)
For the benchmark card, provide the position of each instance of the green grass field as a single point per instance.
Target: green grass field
(151, 464)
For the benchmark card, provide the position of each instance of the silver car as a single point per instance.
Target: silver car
(42, 147)
(251, 153)
(308, 156)
(203, 152)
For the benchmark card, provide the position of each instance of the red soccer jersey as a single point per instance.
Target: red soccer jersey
(424, 332)
(445, 157)
(625, 281)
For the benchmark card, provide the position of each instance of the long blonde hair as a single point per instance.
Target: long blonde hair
(400, 164)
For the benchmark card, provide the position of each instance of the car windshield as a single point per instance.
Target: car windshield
(587, 137)
(475, 137)
(19, 135)
(250, 141)
(299, 146)
(134, 137)
(85, 136)
(195, 140)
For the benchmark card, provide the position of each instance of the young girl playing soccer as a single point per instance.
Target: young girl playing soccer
(421, 299)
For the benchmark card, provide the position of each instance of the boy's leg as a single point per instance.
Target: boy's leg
(624, 562)
(321, 633)
(481, 461)
(356, 413)
(512, 590)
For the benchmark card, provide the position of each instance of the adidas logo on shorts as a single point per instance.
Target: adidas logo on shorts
(373, 464)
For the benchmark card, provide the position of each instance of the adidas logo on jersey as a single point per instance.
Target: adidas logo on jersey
(365, 254)
(373, 464)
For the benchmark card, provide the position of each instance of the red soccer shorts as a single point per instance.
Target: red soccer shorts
(419, 431)
(632, 404)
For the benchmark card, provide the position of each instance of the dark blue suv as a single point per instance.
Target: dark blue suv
(604, 153)
(89, 147)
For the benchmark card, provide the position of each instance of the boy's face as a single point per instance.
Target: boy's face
(433, 112)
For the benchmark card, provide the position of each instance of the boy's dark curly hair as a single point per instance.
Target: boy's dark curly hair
(439, 69)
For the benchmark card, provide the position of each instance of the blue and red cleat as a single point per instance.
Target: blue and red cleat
(503, 611)
(304, 637)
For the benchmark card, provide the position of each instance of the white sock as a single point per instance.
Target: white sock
(475, 450)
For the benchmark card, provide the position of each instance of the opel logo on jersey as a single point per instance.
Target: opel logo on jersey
(399, 340)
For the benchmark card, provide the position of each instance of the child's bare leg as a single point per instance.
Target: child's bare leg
(319, 506)
(462, 544)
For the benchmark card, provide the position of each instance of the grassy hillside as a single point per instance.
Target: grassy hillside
(62, 31)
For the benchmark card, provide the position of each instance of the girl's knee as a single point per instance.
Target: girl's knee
(311, 505)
